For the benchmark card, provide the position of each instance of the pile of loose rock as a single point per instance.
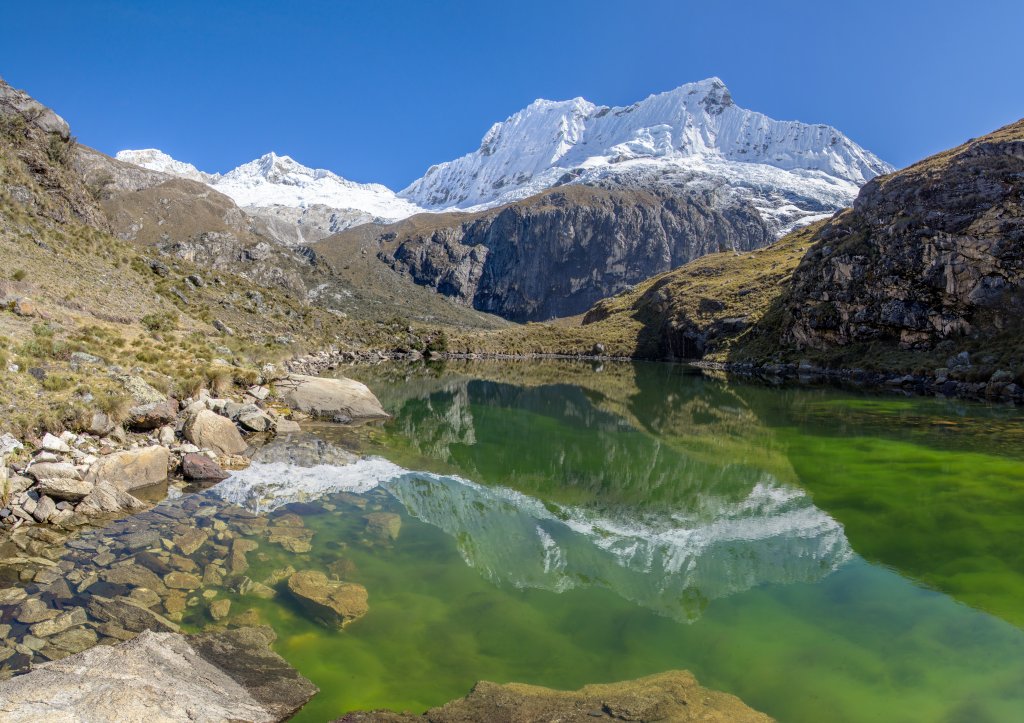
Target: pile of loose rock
(69, 478)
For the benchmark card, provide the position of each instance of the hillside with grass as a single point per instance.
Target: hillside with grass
(82, 308)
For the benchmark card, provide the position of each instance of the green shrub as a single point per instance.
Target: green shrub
(19, 275)
(162, 321)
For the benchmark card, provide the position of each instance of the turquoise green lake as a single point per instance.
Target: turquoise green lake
(824, 555)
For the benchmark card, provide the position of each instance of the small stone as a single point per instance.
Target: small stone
(67, 619)
(128, 614)
(153, 415)
(211, 431)
(65, 488)
(144, 596)
(51, 443)
(69, 643)
(333, 602)
(191, 540)
(213, 575)
(44, 509)
(287, 426)
(383, 525)
(113, 630)
(182, 581)
(249, 618)
(34, 610)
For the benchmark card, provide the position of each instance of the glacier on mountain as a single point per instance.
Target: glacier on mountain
(692, 137)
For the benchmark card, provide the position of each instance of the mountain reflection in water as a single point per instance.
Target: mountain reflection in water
(672, 562)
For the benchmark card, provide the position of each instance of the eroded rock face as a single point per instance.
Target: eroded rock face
(332, 398)
(557, 253)
(330, 601)
(18, 101)
(933, 252)
(230, 675)
(673, 696)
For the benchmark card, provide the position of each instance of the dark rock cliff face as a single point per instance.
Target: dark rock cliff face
(928, 254)
(557, 253)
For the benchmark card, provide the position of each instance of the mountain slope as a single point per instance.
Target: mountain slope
(928, 263)
(558, 252)
(920, 283)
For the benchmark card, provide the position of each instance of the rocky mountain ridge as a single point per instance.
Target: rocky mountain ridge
(558, 252)
(696, 128)
(693, 137)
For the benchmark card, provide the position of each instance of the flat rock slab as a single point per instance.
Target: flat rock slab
(230, 675)
(325, 397)
(132, 468)
(675, 697)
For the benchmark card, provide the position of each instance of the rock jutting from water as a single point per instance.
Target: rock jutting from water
(673, 697)
(333, 602)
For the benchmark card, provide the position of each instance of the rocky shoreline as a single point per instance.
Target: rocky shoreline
(961, 378)
(950, 382)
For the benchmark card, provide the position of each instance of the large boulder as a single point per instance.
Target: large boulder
(141, 391)
(229, 675)
(211, 431)
(329, 601)
(325, 397)
(132, 468)
(153, 415)
(672, 696)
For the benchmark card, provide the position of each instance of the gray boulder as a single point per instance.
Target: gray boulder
(230, 675)
(325, 397)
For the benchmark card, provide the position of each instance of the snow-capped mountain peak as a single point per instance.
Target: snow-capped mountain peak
(693, 136)
(276, 180)
(685, 128)
(157, 160)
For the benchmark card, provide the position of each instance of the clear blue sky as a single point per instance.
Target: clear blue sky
(378, 90)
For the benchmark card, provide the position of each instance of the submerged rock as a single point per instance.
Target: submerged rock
(675, 696)
(333, 602)
(229, 675)
(330, 398)
(383, 525)
(128, 614)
